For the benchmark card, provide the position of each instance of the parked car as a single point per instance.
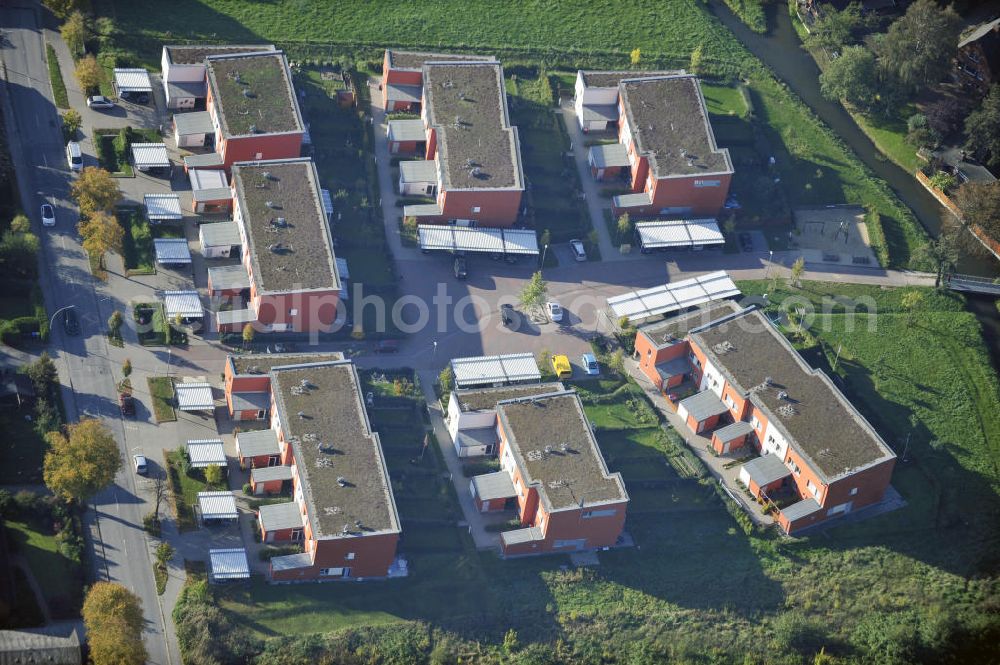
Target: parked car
(461, 268)
(139, 462)
(746, 242)
(127, 404)
(555, 311)
(387, 346)
(74, 156)
(100, 102)
(71, 324)
(589, 363)
(579, 253)
(507, 314)
(48, 215)
(561, 366)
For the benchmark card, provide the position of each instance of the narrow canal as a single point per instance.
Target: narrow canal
(781, 50)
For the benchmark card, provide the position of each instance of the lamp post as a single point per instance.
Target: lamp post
(52, 321)
(545, 249)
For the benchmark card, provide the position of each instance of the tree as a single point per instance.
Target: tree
(635, 56)
(18, 254)
(697, 54)
(74, 33)
(71, 120)
(944, 116)
(248, 334)
(95, 190)
(63, 8)
(982, 128)
(82, 461)
(834, 29)
(942, 253)
(980, 205)
(127, 368)
(534, 292)
(20, 224)
(616, 361)
(164, 553)
(112, 616)
(942, 181)
(43, 374)
(446, 379)
(101, 234)
(213, 475)
(624, 228)
(88, 73)
(852, 77)
(115, 323)
(919, 46)
(798, 267)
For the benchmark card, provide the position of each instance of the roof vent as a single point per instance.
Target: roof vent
(342, 481)
(357, 523)
(305, 383)
(301, 414)
(346, 529)
(253, 129)
(548, 450)
(248, 93)
(267, 175)
(564, 447)
(280, 221)
(782, 395)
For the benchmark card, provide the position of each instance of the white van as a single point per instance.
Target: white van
(74, 156)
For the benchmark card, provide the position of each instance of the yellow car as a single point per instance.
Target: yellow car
(562, 368)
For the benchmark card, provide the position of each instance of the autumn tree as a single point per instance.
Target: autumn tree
(534, 292)
(95, 190)
(88, 73)
(101, 234)
(919, 46)
(112, 616)
(697, 55)
(20, 224)
(635, 56)
(71, 121)
(798, 267)
(127, 368)
(81, 461)
(115, 322)
(63, 8)
(74, 33)
(213, 475)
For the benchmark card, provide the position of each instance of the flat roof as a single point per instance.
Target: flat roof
(195, 122)
(228, 277)
(396, 92)
(497, 485)
(256, 443)
(477, 147)
(477, 239)
(132, 79)
(234, 316)
(185, 303)
(674, 329)
(414, 60)
(482, 399)
(406, 130)
(638, 305)
(264, 474)
(704, 405)
(422, 210)
(206, 160)
(283, 218)
(634, 200)
(766, 469)
(254, 93)
(172, 250)
(611, 79)
(610, 155)
(252, 364)
(220, 234)
(178, 89)
(605, 112)
(339, 458)
(229, 564)
(194, 396)
(679, 233)
(243, 401)
(553, 445)
(733, 431)
(805, 406)
(208, 178)
(803, 508)
(278, 516)
(194, 54)
(206, 452)
(162, 206)
(418, 170)
(151, 155)
(669, 123)
(218, 505)
(488, 370)
(519, 536)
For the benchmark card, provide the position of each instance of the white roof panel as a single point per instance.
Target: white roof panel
(194, 396)
(185, 303)
(476, 239)
(704, 232)
(206, 452)
(207, 179)
(217, 505)
(520, 241)
(489, 370)
(172, 250)
(645, 304)
(162, 206)
(229, 564)
(679, 233)
(132, 80)
(150, 155)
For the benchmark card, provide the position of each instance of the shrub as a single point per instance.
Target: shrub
(248, 489)
(151, 524)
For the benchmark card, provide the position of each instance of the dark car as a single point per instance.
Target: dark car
(127, 404)
(746, 242)
(71, 324)
(461, 268)
(507, 314)
(387, 346)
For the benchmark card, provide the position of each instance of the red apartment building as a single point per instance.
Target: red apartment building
(403, 77)
(320, 442)
(820, 458)
(552, 472)
(471, 162)
(286, 250)
(253, 110)
(666, 145)
(977, 63)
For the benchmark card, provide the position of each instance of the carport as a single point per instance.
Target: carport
(229, 564)
(203, 453)
(193, 129)
(648, 304)
(478, 240)
(495, 370)
(693, 234)
(150, 156)
(162, 207)
(194, 396)
(217, 507)
(172, 251)
(132, 84)
(186, 304)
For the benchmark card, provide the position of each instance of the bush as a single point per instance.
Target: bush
(248, 489)
(269, 552)
(151, 524)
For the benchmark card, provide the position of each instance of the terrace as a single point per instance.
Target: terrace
(414, 60)
(254, 94)
(196, 53)
(264, 363)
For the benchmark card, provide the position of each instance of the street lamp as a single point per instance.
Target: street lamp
(545, 248)
(52, 321)
(435, 342)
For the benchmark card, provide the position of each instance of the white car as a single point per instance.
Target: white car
(579, 253)
(48, 215)
(555, 311)
(100, 102)
(139, 462)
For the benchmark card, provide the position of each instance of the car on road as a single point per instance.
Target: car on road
(387, 346)
(554, 310)
(579, 253)
(589, 363)
(48, 215)
(100, 102)
(127, 404)
(71, 323)
(746, 242)
(561, 366)
(74, 156)
(507, 314)
(139, 462)
(461, 268)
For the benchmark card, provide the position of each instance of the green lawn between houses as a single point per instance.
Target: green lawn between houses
(60, 578)
(697, 581)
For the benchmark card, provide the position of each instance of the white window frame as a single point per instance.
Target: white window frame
(591, 514)
(476, 210)
(350, 556)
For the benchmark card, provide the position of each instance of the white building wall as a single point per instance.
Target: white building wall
(711, 379)
(774, 442)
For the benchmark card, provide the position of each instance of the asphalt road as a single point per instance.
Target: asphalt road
(121, 550)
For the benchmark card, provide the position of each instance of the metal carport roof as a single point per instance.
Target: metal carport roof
(679, 233)
(491, 370)
(161, 207)
(194, 396)
(206, 452)
(217, 506)
(172, 250)
(229, 564)
(150, 155)
(476, 239)
(187, 304)
(128, 79)
(645, 304)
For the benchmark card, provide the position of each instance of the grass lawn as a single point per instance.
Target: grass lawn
(724, 100)
(185, 487)
(59, 94)
(60, 578)
(161, 390)
(22, 450)
(107, 157)
(137, 245)
(889, 136)
(150, 323)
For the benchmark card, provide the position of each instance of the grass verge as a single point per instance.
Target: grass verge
(161, 390)
(59, 94)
